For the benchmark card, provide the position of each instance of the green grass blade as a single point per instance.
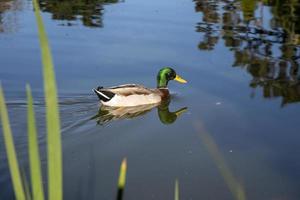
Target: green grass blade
(33, 151)
(176, 190)
(26, 185)
(235, 187)
(122, 179)
(52, 114)
(10, 151)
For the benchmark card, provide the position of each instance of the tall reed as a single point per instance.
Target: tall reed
(54, 154)
(55, 186)
(33, 151)
(122, 179)
(10, 151)
(176, 190)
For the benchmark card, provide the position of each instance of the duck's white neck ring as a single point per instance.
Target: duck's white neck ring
(163, 88)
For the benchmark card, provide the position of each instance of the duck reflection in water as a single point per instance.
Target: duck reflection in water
(108, 114)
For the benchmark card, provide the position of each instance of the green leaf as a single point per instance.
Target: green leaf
(10, 150)
(33, 151)
(55, 186)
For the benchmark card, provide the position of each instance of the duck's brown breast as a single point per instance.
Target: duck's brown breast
(164, 93)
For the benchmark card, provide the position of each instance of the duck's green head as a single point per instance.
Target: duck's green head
(165, 75)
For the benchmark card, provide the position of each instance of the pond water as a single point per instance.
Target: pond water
(238, 127)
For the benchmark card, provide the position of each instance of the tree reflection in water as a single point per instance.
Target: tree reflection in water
(8, 16)
(89, 12)
(264, 36)
(4, 5)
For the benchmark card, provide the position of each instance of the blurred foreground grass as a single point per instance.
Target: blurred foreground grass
(54, 158)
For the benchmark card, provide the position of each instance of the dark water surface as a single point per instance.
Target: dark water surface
(241, 59)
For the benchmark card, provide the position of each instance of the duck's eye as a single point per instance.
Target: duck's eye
(171, 75)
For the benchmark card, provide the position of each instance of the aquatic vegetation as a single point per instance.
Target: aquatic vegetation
(53, 132)
(176, 190)
(33, 148)
(122, 179)
(10, 151)
(235, 187)
(55, 188)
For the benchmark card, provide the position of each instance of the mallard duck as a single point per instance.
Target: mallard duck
(134, 95)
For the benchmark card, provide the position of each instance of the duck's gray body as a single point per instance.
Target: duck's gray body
(130, 95)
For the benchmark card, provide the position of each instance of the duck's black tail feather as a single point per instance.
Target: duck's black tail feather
(103, 95)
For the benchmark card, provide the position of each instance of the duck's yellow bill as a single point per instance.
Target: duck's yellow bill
(179, 79)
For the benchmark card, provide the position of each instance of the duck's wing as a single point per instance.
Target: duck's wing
(130, 89)
(106, 94)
